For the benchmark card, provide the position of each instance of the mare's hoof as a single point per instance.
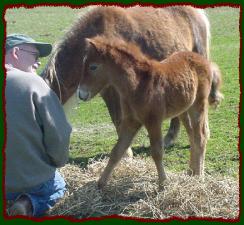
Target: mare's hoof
(168, 144)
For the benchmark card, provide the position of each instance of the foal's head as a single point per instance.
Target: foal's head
(106, 61)
(95, 70)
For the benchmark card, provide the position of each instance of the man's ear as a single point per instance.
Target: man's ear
(15, 52)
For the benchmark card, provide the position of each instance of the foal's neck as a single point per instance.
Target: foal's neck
(131, 68)
(131, 72)
(129, 60)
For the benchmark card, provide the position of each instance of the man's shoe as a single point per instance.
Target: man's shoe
(21, 207)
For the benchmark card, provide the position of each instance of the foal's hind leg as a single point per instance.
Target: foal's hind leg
(172, 132)
(156, 141)
(198, 114)
(128, 130)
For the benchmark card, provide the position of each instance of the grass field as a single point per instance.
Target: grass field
(93, 132)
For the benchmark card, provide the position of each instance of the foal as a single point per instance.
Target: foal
(151, 92)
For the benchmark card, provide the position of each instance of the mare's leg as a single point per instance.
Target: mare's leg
(156, 142)
(186, 121)
(112, 101)
(128, 129)
(198, 136)
(172, 132)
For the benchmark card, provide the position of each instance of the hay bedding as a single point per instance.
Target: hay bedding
(132, 191)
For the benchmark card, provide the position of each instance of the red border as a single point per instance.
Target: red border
(5, 216)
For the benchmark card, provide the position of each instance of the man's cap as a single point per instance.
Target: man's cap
(13, 40)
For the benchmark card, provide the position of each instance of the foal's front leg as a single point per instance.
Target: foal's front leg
(128, 130)
(112, 101)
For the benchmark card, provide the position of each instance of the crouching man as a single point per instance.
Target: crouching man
(38, 133)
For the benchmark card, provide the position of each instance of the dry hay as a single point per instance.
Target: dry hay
(132, 191)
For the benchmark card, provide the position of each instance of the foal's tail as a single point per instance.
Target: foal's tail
(215, 96)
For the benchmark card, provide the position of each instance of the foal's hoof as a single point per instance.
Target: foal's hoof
(128, 153)
(162, 185)
(101, 184)
(190, 172)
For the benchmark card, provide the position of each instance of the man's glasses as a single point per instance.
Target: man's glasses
(36, 54)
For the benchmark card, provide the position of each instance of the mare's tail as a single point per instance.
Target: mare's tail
(215, 96)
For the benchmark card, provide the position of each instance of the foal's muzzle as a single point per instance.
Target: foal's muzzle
(83, 94)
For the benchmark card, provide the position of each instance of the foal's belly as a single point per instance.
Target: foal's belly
(163, 108)
(166, 101)
(179, 100)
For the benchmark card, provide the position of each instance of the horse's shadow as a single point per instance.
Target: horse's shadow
(82, 162)
(145, 150)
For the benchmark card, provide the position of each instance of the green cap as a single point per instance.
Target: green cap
(13, 40)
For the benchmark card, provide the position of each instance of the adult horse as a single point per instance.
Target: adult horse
(157, 31)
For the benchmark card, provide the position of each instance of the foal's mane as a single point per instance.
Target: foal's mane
(124, 54)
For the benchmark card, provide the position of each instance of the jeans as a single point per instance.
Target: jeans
(44, 196)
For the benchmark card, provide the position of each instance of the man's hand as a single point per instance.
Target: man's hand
(35, 67)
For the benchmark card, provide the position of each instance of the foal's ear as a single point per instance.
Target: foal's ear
(91, 44)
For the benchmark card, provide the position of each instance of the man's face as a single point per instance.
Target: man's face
(27, 58)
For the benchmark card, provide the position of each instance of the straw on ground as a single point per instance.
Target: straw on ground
(133, 192)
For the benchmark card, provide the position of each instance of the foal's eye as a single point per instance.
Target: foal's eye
(93, 67)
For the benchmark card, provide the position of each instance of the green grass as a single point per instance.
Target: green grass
(93, 132)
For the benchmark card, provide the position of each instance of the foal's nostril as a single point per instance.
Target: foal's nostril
(83, 95)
